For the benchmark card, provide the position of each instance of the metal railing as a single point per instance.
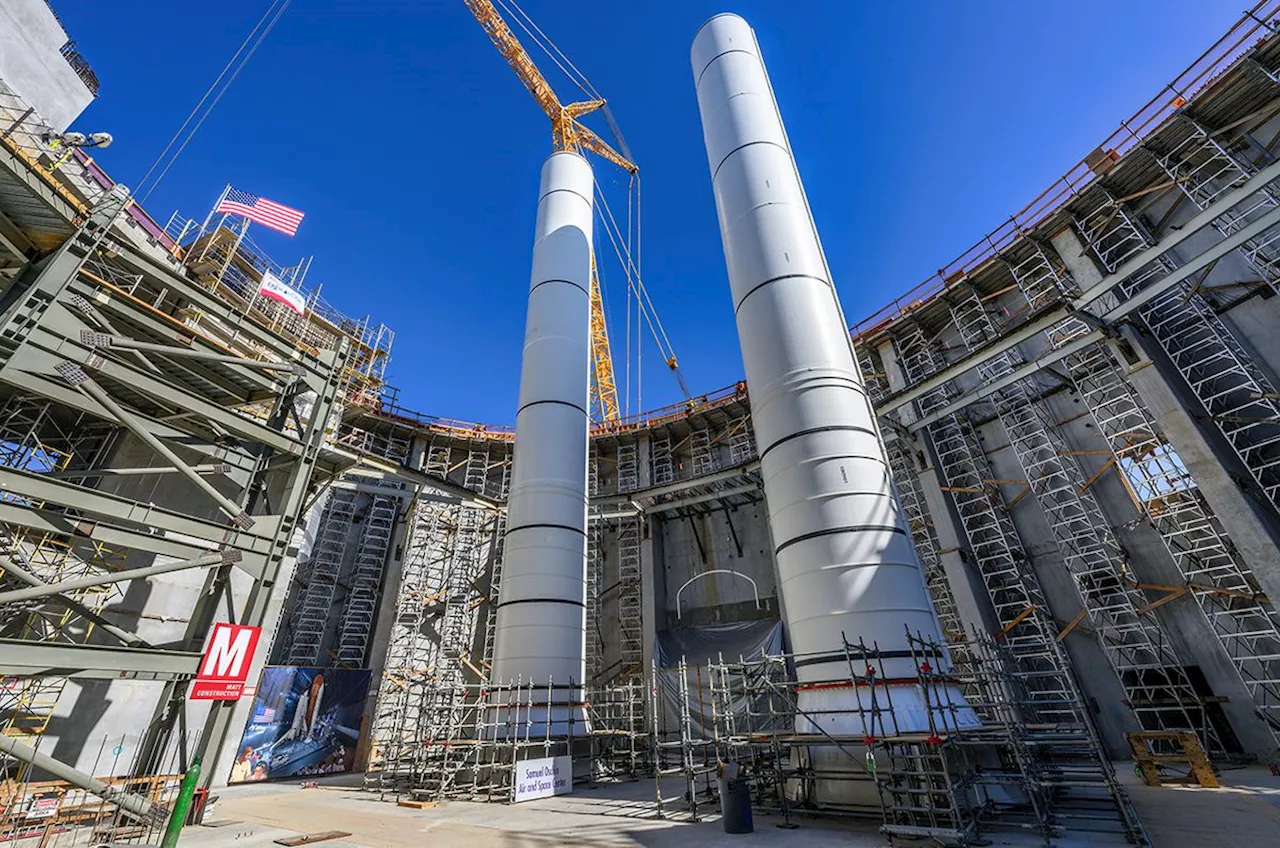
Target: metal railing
(1253, 28)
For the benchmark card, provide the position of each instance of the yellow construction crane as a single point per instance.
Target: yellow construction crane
(567, 134)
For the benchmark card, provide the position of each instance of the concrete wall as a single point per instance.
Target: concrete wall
(31, 64)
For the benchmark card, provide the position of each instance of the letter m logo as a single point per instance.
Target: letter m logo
(224, 668)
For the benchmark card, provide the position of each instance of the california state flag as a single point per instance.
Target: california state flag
(276, 289)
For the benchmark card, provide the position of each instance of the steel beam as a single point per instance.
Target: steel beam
(12, 567)
(141, 514)
(703, 498)
(91, 338)
(57, 659)
(383, 469)
(127, 801)
(221, 558)
(76, 376)
(45, 521)
(677, 487)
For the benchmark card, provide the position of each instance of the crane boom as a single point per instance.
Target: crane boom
(567, 134)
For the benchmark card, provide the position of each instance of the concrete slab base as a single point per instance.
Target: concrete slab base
(1246, 811)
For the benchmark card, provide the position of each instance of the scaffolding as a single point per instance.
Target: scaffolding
(628, 533)
(495, 568)
(1004, 758)
(1165, 491)
(34, 437)
(438, 653)
(1157, 688)
(1240, 401)
(1027, 632)
(901, 453)
(594, 645)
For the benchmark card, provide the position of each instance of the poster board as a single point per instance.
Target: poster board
(542, 778)
(304, 721)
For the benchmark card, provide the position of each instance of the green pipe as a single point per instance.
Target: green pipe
(181, 806)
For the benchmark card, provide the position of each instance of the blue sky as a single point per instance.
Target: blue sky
(415, 152)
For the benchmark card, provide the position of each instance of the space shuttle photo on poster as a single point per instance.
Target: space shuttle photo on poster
(305, 721)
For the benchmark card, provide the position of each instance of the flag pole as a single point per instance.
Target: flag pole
(207, 218)
(231, 254)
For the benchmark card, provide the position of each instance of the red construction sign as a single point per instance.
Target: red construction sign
(225, 665)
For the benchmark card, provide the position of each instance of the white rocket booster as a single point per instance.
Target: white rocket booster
(844, 557)
(540, 631)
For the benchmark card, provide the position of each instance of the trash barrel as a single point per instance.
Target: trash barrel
(735, 805)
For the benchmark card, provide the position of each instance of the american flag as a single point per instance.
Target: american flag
(266, 212)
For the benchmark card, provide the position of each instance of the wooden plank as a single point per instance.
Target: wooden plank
(416, 805)
(310, 838)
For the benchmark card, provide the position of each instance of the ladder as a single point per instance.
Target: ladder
(355, 627)
(1204, 169)
(661, 461)
(495, 574)
(703, 457)
(1223, 586)
(595, 573)
(1156, 686)
(315, 607)
(630, 608)
(1240, 401)
(1026, 631)
(742, 441)
(902, 467)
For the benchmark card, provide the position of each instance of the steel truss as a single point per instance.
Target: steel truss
(119, 419)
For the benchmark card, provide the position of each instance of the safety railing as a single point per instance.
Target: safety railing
(1251, 30)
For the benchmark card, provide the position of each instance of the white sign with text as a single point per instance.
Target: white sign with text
(543, 778)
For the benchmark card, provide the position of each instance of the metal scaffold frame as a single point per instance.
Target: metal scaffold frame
(1157, 688)
(1222, 584)
(137, 446)
(1003, 759)
(442, 637)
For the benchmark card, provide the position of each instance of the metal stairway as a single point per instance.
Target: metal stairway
(1240, 401)
(595, 572)
(1050, 738)
(630, 608)
(495, 573)
(355, 628)
(1222, 584)
(315, 607)
(1204, 169)
(1157, 688)
(1026, 629)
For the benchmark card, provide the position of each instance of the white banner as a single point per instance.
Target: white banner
(276, 289)
(543, 778)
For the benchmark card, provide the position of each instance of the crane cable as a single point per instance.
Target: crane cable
(647, 313)
(234, 66)
(644, 302)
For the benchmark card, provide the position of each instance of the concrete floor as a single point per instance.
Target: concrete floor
(1245, 812)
